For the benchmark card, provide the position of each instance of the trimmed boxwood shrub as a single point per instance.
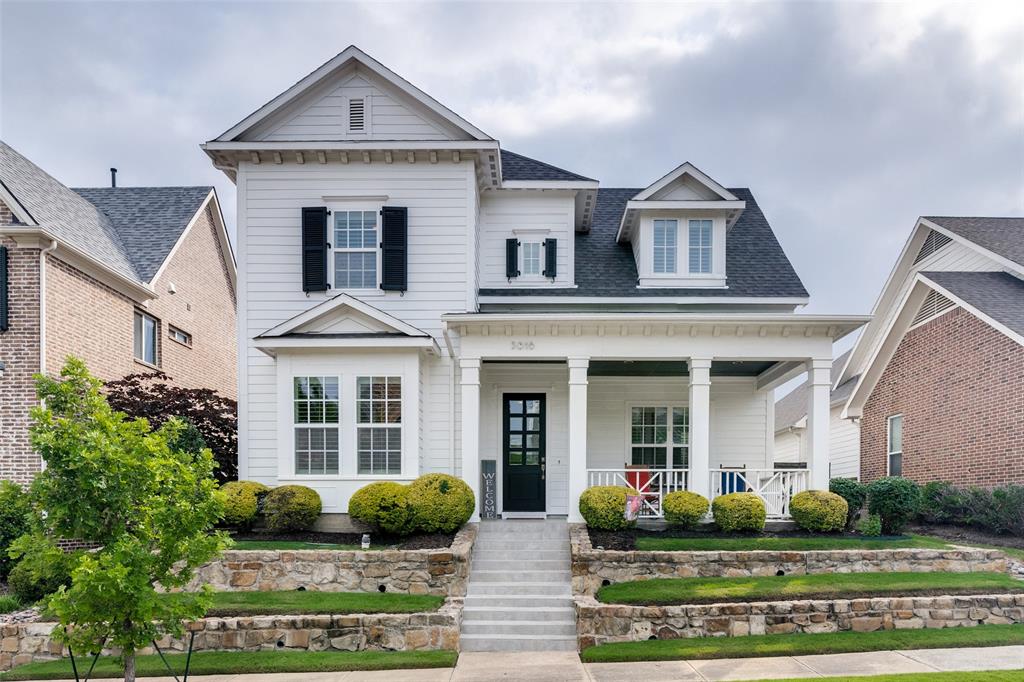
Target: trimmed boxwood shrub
(739, 513)
(384, 505)
(291, 508)
(818, 511)
(15, 514)
(896, 500)
(854, 492)
(242, 503)
(439, 503)
(684, 509)
(603, 507)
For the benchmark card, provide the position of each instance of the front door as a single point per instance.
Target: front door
(523, 452)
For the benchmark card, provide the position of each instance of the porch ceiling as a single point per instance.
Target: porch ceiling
(658, 368)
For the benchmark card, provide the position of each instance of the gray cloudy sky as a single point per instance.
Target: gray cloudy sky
(847, 120)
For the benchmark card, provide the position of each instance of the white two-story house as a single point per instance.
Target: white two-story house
(413, 298)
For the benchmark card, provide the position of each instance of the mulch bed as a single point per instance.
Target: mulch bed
(625, 540)
(430, 541)
(970, 535)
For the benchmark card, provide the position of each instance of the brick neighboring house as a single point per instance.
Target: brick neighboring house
(940, 392)
(129, 279)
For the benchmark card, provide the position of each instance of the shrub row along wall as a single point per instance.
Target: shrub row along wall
(590, 567)
(598, 623)
(31, 642)
(418, 571)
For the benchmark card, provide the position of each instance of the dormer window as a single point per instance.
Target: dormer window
(531, 259)
(700, 246)
(665, 245)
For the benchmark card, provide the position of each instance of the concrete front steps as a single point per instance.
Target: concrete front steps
(519, 596)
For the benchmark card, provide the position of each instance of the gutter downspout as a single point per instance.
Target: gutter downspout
(42, 303)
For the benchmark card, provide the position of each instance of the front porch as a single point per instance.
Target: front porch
(670, 402)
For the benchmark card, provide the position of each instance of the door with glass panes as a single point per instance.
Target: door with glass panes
(523, 417)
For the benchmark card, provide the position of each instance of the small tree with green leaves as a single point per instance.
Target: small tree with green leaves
(148, 505)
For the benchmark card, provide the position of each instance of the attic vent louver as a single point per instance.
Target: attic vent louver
(934, 305)
(357, 115)
(932, 243)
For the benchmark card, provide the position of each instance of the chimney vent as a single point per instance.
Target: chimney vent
(113, 177)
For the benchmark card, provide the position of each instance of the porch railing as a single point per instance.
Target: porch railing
(652, 484)
(775, 486)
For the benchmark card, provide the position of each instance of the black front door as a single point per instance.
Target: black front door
(523, 451)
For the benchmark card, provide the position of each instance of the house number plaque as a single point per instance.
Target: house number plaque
(489, 489)
(522, 345)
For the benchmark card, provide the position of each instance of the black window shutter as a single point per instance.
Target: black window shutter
(511, 258)
(314, 249)
(550, 258)
(4, 312)
(394, 248)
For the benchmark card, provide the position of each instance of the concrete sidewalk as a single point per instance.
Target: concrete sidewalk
(566, 667)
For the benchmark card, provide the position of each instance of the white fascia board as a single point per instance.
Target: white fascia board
(550, 184)
(334, 303)
(985, 317)
(686, 168)
(372, 342)
(19, 211)
(685, 205)
(642, 300)
(351, 53)
(348, 145)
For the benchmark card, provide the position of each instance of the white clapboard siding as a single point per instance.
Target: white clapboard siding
(787, 446)
(739, 424)
(844, 446)
(536, 216)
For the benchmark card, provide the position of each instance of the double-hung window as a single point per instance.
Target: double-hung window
(665, 241)
(317, 407)
(700, 246)
(355, 250)
(531, 258)
(379, 425)
(654, 430)
(145, 335)
(894, 445)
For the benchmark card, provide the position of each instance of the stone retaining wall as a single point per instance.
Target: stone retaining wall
(442, 572)
(598, 623)
(26, 643)
(590, 567)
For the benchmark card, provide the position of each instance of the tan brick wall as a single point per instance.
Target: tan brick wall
(959, 385)
(19, 351)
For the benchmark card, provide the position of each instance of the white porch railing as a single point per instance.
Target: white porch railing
(652, 484)
(775, 486)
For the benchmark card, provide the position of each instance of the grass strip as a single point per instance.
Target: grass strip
(980, 676)
(803, 644)
(296, 544)
(669, 591)
(245, 662)
(783, 544)
(310, 603)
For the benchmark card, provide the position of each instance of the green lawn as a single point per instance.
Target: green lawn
(665, 591)
(8, 603)
(245, 662)
(294, 544)
(740, 544)
(803, 644)
(300, 603)
(1014, 552)
(984, 676)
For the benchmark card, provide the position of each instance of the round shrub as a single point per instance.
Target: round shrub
(819, 511)
(15, 514)
(30, 581)
(684, 509)
(603, 507)
(439, 503)
(291, 508)
(854, 492)
(739, 513)
(242, 502)
(384, 505)
(896, 500)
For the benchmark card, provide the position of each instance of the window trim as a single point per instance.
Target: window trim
(371, 425)
(523, 274)
(295, 425)
(171, 329)
(669, 446)
(335, 249)
(701, 248)
(672, 249)
(143, 315)
(889, 452)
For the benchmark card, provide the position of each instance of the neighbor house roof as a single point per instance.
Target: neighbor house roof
(518, 167)
(998, 295)
(792, 407)
(149, 220)
(1002, 236)
(756, 265)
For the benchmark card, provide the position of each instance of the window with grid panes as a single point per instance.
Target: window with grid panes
(650, 434)
(355, 249)
(379, 425)
(316, 411)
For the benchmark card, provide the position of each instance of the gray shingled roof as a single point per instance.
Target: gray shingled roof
(792, 407)
(755, 262)
(997, 294)
(149, 220)
(131, 230)
(1003, 236)
(518, 167)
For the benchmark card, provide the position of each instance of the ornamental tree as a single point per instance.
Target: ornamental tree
(149, 507)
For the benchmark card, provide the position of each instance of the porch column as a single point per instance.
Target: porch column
(577, 434)
(819, 378)
(471, 428)
(700, 426)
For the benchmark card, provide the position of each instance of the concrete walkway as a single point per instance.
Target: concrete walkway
(557, 666)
